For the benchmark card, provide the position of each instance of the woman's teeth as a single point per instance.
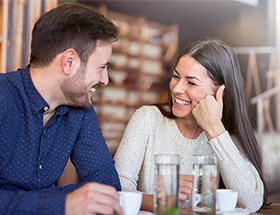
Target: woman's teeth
(181, 102)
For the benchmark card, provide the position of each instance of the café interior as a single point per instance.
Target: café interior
(151, 35)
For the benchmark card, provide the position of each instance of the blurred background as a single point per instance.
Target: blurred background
(152, 33)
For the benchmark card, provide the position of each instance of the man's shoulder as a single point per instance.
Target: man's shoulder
(3, 79)
(3, 88)
(4, 85)
(9, 78)
(11, 75)
(9, 82)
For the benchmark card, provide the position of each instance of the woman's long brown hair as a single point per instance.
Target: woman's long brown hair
(223, 68)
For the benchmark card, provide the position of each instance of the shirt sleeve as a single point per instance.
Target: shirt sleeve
(237, 172)
(91, 156)
(131, 151)
(31, 203)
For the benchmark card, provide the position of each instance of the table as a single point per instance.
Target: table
(273, 209)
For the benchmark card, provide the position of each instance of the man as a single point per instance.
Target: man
(46, 115)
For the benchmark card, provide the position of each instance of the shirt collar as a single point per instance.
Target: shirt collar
(37, 102)
(61, 110)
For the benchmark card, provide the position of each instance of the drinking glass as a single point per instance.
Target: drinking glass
(205, 181)
(166, 198)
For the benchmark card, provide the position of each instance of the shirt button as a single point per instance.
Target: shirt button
(46, 108)
(40, 166)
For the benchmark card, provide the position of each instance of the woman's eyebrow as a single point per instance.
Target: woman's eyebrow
(193, 77)
(187, 77)
(176, 72)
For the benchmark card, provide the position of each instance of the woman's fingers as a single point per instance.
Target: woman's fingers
(183, 198)
(186, 187)
(186, 180)
(219, 98)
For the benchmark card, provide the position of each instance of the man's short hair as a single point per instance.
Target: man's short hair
(69, 26)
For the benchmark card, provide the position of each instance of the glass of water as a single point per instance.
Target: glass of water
(166, 198)
(205, 181)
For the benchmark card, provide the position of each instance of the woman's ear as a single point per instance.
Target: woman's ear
(70, 61)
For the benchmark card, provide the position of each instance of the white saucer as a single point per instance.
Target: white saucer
(237, 211)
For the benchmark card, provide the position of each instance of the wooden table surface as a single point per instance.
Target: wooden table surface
(273, 209)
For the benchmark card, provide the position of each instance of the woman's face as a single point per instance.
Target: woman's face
(189, 83)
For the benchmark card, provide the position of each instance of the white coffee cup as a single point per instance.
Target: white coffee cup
(130, 202)
(226, 200)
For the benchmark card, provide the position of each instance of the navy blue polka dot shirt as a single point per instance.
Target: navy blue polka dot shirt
(32, 157)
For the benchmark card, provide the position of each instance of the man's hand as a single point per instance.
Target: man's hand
(91, 199)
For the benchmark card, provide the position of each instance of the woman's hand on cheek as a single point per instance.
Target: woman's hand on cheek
(208, 113)
(219, 98)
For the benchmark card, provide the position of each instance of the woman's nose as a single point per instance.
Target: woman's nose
(179, 87)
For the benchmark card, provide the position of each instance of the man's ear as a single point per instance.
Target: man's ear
(70, 61)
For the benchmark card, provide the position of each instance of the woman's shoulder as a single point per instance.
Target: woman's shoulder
(148, 113)
(149, 109)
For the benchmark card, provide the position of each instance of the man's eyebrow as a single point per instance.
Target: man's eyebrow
(105, 64)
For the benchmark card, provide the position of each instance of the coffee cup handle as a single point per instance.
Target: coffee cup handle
(196, 199)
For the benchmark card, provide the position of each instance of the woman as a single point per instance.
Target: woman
(206, 113)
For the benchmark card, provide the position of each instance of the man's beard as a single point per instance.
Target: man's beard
(75, 91)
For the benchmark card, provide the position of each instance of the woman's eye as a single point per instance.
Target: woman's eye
(191, 83)
(175, 76)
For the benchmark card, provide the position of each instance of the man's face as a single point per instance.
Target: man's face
(78, 89)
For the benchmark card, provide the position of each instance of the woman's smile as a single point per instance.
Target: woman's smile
(182, 102)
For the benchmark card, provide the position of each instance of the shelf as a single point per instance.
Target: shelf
(119, 103)
(137, 71)
(113, 119)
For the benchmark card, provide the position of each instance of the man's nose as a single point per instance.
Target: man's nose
(104, 80)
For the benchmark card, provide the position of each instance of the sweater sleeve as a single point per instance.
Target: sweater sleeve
(130, 154)
(237, 172)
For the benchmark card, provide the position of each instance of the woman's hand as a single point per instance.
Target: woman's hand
(208, 113)
(186, 187)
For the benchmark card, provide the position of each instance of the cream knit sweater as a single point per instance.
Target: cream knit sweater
(149, 132)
